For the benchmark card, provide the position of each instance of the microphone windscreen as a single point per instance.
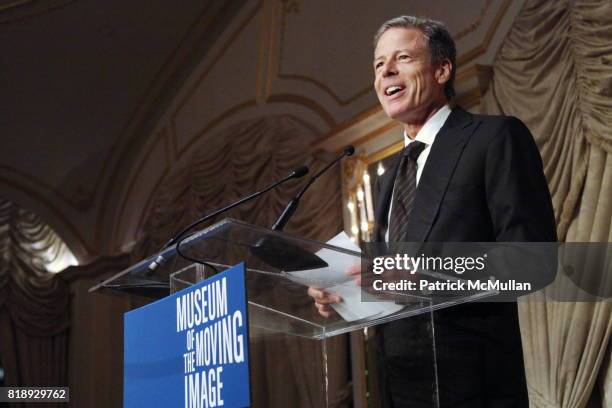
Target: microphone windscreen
(300, 172)
(349, 150)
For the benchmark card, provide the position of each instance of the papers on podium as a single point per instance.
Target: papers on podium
(356, 303)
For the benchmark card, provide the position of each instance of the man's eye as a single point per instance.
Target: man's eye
(404, 57)
(378, 65)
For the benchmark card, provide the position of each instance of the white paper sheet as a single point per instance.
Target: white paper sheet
(356, 304)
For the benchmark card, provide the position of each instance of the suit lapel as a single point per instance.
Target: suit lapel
(383, 200)
(437, 173)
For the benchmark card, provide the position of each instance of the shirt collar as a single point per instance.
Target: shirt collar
(430, 129)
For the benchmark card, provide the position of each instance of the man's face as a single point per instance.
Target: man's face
(406, 82)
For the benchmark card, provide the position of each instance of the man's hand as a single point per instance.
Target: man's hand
(323, 301)
(354, 271)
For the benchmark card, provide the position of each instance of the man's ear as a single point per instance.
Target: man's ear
(443, 72)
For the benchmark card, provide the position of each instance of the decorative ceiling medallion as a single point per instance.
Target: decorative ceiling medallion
(17, 10)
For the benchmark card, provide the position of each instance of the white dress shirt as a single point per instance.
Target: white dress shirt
(426, 135)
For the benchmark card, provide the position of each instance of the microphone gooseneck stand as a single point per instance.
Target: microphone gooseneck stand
(182, 235)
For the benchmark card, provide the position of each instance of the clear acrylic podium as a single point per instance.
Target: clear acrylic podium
(288, 338)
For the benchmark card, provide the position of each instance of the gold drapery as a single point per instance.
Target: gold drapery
(554, 71)
(243, 159)
(34, 304)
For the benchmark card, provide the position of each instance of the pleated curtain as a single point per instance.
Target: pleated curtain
(554, 71)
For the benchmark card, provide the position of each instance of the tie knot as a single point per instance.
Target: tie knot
(413, 150)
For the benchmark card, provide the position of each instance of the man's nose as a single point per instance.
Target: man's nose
(389, 68)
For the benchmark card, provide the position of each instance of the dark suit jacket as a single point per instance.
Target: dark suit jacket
(483, 181)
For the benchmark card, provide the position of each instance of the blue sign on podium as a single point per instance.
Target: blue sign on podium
(190, 349)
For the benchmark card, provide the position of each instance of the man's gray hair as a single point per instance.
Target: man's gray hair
(439, 41)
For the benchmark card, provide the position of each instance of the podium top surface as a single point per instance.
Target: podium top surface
(279, 270)
(225, 243)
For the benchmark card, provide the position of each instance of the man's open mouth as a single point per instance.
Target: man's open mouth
(393, 89)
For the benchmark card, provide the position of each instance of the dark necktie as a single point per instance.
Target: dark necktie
(404, 189)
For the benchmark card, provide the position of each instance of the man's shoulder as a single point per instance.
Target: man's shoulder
(490, 128)
(496, 120)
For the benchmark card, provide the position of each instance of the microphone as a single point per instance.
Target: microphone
(297, 173)
(293, 204)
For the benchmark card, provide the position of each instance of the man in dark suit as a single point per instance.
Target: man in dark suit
(461, 178)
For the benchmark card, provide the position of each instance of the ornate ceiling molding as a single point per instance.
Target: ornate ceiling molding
(18, 10)
(289, 7)
(184, 99)
(161, 91)
(81, 198)
(293, 7)
(476, 23)
(482, 47)
(27, 180)
(11, 4)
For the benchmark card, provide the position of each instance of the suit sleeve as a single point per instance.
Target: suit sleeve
(520, 207)
(518, 198)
